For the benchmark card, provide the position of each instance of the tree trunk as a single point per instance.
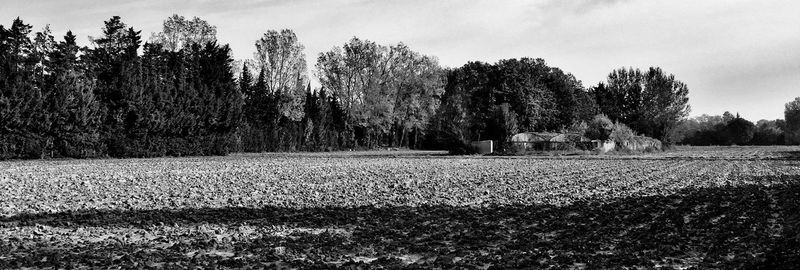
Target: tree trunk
(403, 138)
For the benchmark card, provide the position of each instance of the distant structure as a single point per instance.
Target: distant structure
(482, 147)
(547, 141)
(604, 146)
(641, 143)
(551, 141)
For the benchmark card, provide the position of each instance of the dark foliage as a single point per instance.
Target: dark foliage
(122, 98)
(60, 100)
(538, 96)
(23, 122)
(652, 102)
(729, 130)
(792, 125)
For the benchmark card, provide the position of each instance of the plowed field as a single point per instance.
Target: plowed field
(705, 207)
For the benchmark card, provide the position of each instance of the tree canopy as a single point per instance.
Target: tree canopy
(179, 33)
(792, 116)
(387, 92)
(651, 102)
(177, 94)
(541, 98)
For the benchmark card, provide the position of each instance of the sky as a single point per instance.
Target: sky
(734, 55)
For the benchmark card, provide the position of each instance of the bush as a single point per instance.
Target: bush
(599, 128)
(621, 133)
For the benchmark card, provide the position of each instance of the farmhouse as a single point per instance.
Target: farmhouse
(544, 141)
(641, 143)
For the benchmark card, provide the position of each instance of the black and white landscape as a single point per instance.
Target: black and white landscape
(400, 134)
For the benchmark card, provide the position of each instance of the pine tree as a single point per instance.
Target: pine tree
(23, 120)
(322, 128)
(75, 112)
(310, 112)
(246, 81)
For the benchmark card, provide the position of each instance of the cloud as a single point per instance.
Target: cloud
(729, 52)
(579, 6)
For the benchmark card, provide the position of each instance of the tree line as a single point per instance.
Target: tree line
(62, 100)
(493, 102)
(730, 129)
(181, 93)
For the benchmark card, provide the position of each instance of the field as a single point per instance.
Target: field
(704, 207)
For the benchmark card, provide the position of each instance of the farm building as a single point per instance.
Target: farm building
(545, 141)
(641, 143)
(604, 145)
(482, 147)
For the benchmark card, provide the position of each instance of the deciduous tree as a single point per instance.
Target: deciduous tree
(792, 117)
(652, 102)
(281, 58)
(179, 33)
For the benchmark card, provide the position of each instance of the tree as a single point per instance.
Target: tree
(600, 128)
(65, 55)
(792, 117)
(542, 98)
(76, 116)
(44, 44)
(117, 40)
(522, 83)
(23, 120)
(389, 93)
(115, 64)
(253, 99)
(768, 132)
(665, 102)
(179, 33)
(567, 92)
(245, 81)
(415, 85)
(608, 102)
(625, 86)
(652, 102)
(75, 112)
(323, 129)
(468, 103)
(60, 100)
(739, 131)
(506, 121)
(453, 125)
(280, 56)
(621, 133)
(728, 129)
(727, 117)
(353, 73)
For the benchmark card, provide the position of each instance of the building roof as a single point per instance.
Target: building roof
(548, 137)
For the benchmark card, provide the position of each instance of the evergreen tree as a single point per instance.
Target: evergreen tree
(246, 82)
(23, 118)
(115, 64)
(310, 118)
(322, 127)
(75, 112)
(111, 100)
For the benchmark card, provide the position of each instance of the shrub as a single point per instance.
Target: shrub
(621, 133)
(599, 128)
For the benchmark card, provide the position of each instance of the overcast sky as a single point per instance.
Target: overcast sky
(740, 56)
